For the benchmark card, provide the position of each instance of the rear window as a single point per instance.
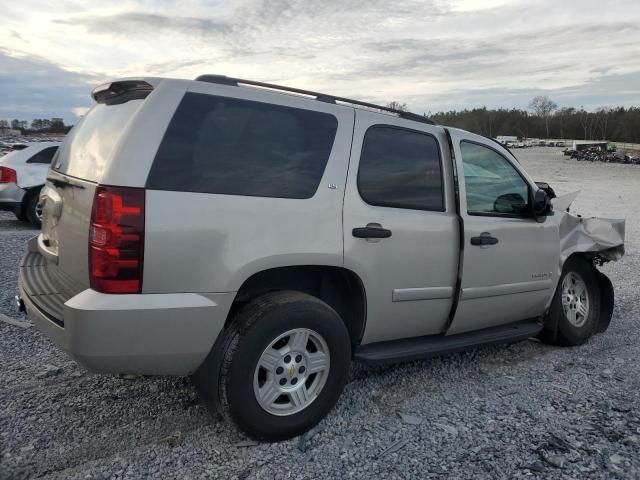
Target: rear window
(240, 147)
(43, 156)
(90, 144)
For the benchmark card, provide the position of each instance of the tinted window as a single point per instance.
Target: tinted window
(240, 147)
(90, 144)
(43, 156)
(400, 168)
(493, 185)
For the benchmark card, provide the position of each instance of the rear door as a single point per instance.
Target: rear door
(509, 259)
(400, 234)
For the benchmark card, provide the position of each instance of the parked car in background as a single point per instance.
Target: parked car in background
(23, 172)
(260, 239)
(7, 147)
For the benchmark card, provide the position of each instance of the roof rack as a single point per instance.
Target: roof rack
(322, 97)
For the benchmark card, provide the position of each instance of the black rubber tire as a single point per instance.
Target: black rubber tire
(253, 328)
(568, 334)
(30, 208)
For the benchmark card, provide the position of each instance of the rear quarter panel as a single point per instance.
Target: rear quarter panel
(198, 242)
(32, 175)
(134, 154)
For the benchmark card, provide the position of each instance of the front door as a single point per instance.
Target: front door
(400, 232)
(509, 258)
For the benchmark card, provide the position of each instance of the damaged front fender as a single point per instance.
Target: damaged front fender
(601, 237)
(598, 239)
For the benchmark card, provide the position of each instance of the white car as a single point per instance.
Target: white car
(22, 175)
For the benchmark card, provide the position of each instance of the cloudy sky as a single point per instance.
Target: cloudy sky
(432, 54)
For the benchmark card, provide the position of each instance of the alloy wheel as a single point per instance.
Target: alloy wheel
(291, 372)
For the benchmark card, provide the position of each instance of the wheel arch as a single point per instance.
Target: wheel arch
(550, 329)
(607, 296)
(28, 192)
(340, 288)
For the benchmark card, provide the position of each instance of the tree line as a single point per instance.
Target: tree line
(546, 120)
(39, 125)
(543, 120)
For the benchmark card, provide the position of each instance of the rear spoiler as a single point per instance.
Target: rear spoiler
(115, 93)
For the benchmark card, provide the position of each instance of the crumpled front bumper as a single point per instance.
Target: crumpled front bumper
(604, 237)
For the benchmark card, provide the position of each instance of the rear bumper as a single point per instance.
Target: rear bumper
(148, 334)
(11, 196)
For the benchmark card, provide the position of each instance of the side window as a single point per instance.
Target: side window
(43, 156)
(493, 185)
(400, 168)
(240, 147)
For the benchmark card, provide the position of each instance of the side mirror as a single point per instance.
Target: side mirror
(541, 205)
(547, 188)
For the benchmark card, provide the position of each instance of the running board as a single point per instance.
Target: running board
(408, 349)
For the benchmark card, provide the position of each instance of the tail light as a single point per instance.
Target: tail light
(116, 240)
(8, 175)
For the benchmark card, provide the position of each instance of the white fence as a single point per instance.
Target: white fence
(627, 146)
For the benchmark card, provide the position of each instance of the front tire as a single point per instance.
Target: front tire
(285, 361)
(576, 304)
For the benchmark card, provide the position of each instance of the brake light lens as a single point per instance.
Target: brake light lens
(8, 175)
(116, 240)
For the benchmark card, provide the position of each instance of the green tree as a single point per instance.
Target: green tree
(57, 125)
(395, 105)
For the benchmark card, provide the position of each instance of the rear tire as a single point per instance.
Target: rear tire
(32, 212)
(285, 361)
(576, 304)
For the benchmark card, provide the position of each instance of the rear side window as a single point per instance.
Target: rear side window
(91, 143)
(400, 168)
(43, 156)
(240, 147)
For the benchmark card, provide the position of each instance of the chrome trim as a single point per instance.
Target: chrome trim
(506, 289)
(427, 293)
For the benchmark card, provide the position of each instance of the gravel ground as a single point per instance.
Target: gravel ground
(524, 410)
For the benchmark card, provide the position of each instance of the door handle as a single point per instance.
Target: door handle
(484, 240)
(371, 232)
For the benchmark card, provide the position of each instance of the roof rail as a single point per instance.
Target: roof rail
(322, 97)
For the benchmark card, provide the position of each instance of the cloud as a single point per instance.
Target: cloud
(31, 87)
(431, 54)
(143, 24)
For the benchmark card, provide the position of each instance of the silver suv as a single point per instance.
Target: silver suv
(259, 238)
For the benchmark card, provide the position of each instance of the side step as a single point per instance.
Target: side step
(408, 349)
